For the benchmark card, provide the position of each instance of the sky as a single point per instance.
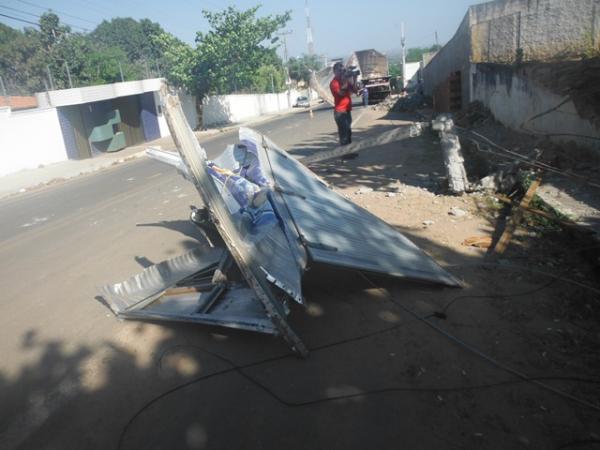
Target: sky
(338, 27)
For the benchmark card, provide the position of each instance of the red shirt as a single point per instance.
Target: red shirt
(342, 100)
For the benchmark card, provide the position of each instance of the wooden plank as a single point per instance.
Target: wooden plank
(562, 222)
(515, 219)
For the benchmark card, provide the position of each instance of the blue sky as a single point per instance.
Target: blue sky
(339, 27)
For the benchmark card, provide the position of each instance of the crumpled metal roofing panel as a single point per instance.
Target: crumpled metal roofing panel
(339, 232)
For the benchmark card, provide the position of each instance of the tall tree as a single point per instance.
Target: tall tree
(179, 60)
(231, 53)
(136, 39)
(299, 68)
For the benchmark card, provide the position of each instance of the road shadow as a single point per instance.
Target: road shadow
(373, 357)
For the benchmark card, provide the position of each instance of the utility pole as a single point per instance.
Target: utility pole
(50, 78)
(121, 72)
(3, 88)
(403, 57)
(272, 85)
(69, 75)
(309, 37)
(4, 92)
(283, 34)
(437, 44)
(285, 60)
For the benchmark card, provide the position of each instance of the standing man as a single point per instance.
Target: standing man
(342, 89)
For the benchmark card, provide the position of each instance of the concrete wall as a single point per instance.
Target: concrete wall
(454, 56)
(523, 105)
(410, 72)
(30, 138)
(78, 96)
(512, 31)
(224, 109)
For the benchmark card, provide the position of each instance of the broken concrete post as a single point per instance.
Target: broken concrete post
(453, 159)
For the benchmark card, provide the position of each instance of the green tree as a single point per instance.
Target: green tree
(229, 56)
(21, 61)
(269, 79)
(136, 39)
(51, 31)
(179, 60)
(299, 68)
(416, 54)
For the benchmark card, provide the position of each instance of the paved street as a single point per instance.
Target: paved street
(379, 374)
(57, 245)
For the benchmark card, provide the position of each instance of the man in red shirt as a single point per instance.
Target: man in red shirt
(342, 89)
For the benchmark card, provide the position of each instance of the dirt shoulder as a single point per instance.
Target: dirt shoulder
(535, 309)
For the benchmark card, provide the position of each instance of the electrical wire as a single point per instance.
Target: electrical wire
(39, 17)
(57, 11)
(483, 355)
(20, 20)
(444, 310)
(526, 269)
(529, 161)
(240, 368)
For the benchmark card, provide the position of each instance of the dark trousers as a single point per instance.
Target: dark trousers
(343, 121)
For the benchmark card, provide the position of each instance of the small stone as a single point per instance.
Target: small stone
(390, 194)
(454, 211)
(364, 190)
(428, 222)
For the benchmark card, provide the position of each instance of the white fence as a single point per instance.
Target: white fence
(223, 109)
(29, 139)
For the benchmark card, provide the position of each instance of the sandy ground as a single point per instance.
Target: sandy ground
(508, 361)
(534, 309)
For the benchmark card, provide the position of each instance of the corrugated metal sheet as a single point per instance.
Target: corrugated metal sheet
(313, 224)
(338, 232)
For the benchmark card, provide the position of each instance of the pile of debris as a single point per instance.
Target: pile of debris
(475, 115)
(267, 219)
(410, 103)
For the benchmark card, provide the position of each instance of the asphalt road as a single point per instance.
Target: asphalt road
(72, 376)
(25, 212)
(58, 343)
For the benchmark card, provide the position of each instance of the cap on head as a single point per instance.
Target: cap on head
(337, 66)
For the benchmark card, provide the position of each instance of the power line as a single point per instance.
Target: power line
(39, 17)
(55, 10)
(20, 20)
(19, 11)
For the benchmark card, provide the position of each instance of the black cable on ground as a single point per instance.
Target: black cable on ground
(240, 370)
(529, 161)
(485, 356)
(444, 310)
(538, 381)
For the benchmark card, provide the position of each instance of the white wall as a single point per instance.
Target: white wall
(223, 109)
(30, 138)
(521, 104)
(410, 73)
(78, 96)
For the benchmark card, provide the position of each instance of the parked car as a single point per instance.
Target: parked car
(302, 102)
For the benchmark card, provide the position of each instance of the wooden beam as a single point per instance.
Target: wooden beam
(515, 219)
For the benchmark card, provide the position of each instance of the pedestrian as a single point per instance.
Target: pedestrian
(365, 94)
(342, 88)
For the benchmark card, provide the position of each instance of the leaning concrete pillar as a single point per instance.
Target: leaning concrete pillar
(453, 159)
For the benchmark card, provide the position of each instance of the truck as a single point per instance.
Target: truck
(374, 73)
